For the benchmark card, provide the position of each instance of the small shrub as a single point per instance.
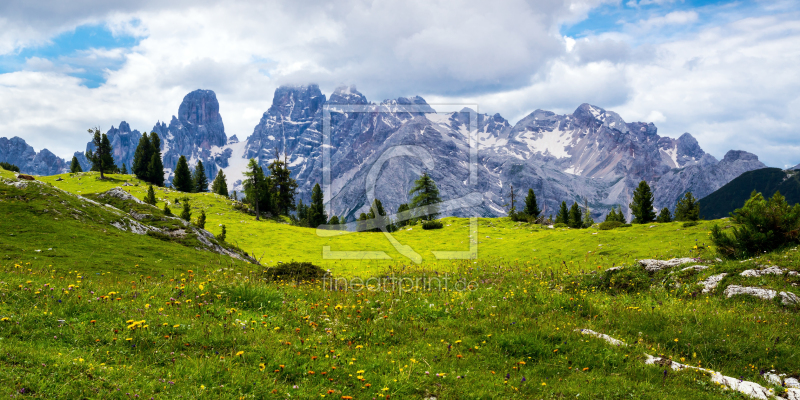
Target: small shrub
(159, 235)
(608, 225)
(428, 225)
(625, 225)
(560, 225)
(764, 225)
(201, 220)
(296, 271)
(167, 211)
(689, 224)
(222, 235)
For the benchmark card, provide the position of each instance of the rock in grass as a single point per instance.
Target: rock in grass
(118, 193)
(657, 265)
(787, 298)
(603, 336)
(695, 268)
(711, 282)
(773, 270)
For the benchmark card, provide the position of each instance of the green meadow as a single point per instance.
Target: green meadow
(112, 315)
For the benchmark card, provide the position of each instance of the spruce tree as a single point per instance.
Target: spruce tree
(642, 204)
(222, 235)
(563, 214)
(167, 210)
(284, 186)
(587, 215)
(155, 168)
(334, 220)
(75, 166)
(150, 198)
(316, 211)
(426, 195)
(302, 213)
(186, 214)
(220, 185)
(141, 158)
(531, 207)
(257, 189)
(687, 209)
(575, 216)
(102, 159)
(200, 179)
(201, 220)
(400, 222)
(361, 224)
(183, 177)
(664, 215)
(124, 170)
(380, 217)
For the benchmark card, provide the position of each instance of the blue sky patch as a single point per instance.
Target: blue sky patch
(86, 53)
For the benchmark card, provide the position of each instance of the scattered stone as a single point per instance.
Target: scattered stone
(711, 282)
(773, 378)
(605, 337)
(787, 298)
(792, 383)
(127, 184)
(755, 273)
(614, 269)
(695, 268)
(118, 193)
(657, 265)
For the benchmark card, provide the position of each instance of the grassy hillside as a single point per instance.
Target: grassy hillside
(499, 240)
(765, 181)
(45, 226)
(100, 313)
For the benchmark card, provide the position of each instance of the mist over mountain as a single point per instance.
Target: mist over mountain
(591, 156)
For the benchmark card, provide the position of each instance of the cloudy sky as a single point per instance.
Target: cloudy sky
(728, 72)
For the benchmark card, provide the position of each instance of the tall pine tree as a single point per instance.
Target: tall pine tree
(150, 198)
(183, 177)
(575, 216)
(257, 189)
(687, 209)
(200, 179)
(101, 158)
(316, 211)
(664, 215)
(220, 185)
(75, 166)
(563, 214)
(155, 168)
(531, 207)
(285, 187)
(379, 217)
(141, 158)
(426, 195)
(642, 204)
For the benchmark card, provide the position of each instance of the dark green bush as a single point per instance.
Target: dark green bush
(763, 225)
(295, 271)
(428, 225)
(624, 280)
(560, 225)
(689, 224)
(8, 166)
(608, 225)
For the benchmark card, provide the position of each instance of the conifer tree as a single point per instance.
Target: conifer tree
(183, 177)
(642, 204)
(220, 185)
(257, 189)
(141, 158)
(402, 208)
(687, 209)
(563, 214)
(167, 210)
(101, 158)
(222, 235)
(284, 186)
(575, 217)
(380, 217)
(426, 195)
(334, 220)
(200, 179)
(531, 207)
(316, 211)
(361, 224)
(664, 215)
(186, 214)
(124, 170)
(302, 213)
(201, 220)
(587, 215)
(75, 166)
(155, 168)
(150, 198)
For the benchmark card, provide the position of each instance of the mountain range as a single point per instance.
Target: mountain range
(591, 156)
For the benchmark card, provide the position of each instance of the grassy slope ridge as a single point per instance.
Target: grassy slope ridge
(47, 226)
(765, 181)
(498, 239)
(69, 329)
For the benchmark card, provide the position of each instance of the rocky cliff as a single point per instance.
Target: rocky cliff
(123, 142)
(16, 151)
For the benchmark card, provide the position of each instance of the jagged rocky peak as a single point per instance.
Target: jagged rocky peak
(688, 147)
(200, 109)
(347, 94)
(233, 140)
(18, 152)
(296, 103)
(739, 155)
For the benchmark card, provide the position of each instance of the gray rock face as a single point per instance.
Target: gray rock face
(197, 133)
(16, 151)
